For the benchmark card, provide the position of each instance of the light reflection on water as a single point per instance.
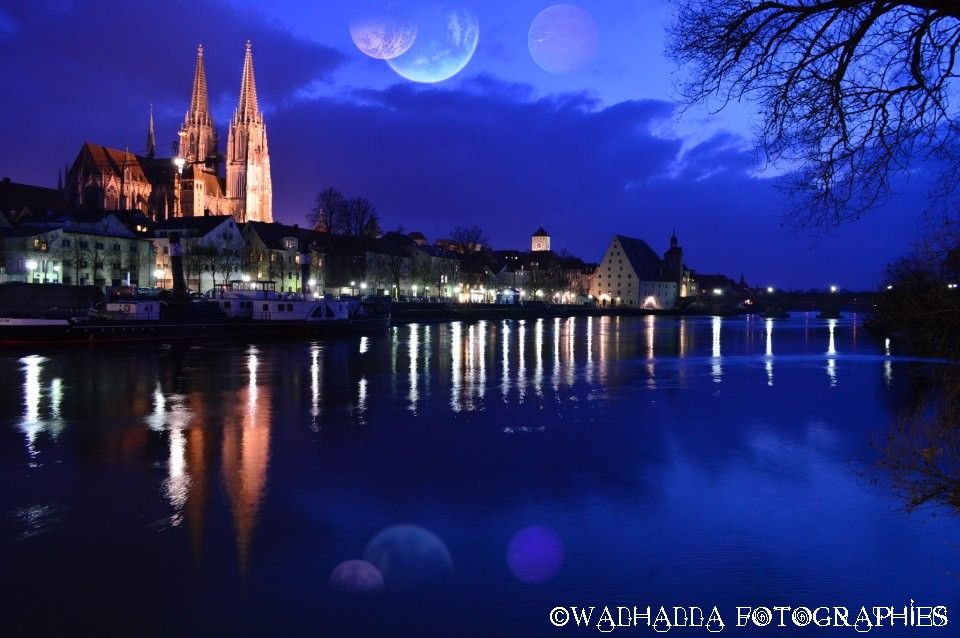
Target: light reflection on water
(657, 454)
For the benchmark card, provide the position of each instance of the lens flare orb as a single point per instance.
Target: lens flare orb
(535, 554)
(563, 38)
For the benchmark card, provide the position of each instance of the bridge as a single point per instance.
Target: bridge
(823, 302)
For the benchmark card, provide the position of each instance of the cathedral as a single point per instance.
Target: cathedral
(191, 183)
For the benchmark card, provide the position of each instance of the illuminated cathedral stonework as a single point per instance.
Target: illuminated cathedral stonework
(247, 192)
(108, 179)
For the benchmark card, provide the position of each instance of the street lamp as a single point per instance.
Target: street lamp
(179, 162)
(31, 266)
(833, 289)
(158, 275)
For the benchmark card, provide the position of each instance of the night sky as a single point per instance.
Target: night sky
(592, 147)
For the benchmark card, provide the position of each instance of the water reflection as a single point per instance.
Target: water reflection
(614, 433)
(887, 364)
(246, 453)
(32, 422)
(832, 353)
(716, 366)
(316, 373)
(768, 361)
(505, 362)
(921, 455)
(413, 352)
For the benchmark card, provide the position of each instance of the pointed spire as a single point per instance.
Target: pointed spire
(151, 139)
(247, 109)
(199, 107)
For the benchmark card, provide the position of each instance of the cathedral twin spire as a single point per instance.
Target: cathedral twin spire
(248, 184)
(199, 106)
(247, 109)
(198, 137)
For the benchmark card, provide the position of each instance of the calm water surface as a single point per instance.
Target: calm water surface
(486, 472)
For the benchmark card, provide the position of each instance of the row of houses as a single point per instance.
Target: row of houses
(44, 240)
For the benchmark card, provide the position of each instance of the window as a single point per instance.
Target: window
(133, 250)
(99, 245)
(166, 250)
(65, 243)
(84, 244)
(116, 247)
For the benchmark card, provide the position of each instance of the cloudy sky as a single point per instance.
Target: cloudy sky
(583, 137)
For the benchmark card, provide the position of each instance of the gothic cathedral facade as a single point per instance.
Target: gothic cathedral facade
(247, 191)
(189, 185)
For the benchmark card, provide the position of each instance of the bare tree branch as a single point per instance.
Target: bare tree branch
(851, 92)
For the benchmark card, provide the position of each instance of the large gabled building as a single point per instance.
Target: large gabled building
(631, 274)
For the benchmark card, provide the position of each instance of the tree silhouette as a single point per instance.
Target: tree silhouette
(359, 218)
(851, 92)
(469, 239)
(329, 209)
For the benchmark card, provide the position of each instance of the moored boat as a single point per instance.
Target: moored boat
(235, 311)
(256, 307)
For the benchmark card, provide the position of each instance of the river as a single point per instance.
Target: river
(469, 479)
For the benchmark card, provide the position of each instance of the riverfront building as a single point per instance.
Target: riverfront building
(632, 274)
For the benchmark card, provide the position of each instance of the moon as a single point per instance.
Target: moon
(383, 32)
(445, 42)
(563, 38)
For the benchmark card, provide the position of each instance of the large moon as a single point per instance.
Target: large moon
(446, 39)
(383, 32)
(563, 38)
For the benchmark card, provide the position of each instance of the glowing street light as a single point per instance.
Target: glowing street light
(833, 289)
(770, 289)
